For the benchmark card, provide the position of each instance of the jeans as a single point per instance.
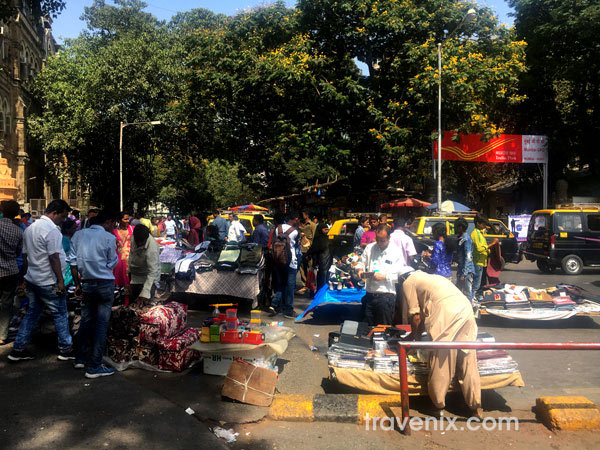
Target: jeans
(8, 288)
(477, 280)
(466, 285)
(96, 307)
(40, 296)
(285, 285)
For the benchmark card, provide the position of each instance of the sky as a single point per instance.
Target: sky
(68, 25)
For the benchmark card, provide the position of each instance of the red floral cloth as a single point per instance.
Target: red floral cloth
(162, 322)
(174, 353)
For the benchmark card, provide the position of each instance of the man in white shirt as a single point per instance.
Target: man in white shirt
(407, 250)
(379, 265)
(144, 265)
(44, 257)
(237, 232)
(285, 277)
(170, 228)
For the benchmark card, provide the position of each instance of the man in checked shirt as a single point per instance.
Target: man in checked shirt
(11, 242)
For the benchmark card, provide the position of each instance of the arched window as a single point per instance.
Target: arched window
(2, 106)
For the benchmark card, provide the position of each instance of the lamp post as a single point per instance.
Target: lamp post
(468, 18)
(123, 125)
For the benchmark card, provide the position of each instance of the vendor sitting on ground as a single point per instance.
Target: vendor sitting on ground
(436, 306)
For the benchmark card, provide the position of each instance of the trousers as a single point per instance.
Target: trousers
(444, 365)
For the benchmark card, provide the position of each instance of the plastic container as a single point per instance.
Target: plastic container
(232, 324)
(231, 313)
(221, 317)
(205, 336)
(255, 316)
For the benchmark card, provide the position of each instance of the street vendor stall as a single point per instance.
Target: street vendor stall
(373, 366)
(559, 302)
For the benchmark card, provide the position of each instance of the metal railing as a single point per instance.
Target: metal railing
(405, 346)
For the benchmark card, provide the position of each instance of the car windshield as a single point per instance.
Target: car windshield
(538, 224)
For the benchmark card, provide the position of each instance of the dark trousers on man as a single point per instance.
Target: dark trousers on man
(379, 308)
(96, 308)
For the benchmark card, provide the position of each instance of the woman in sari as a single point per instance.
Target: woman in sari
(123, 233)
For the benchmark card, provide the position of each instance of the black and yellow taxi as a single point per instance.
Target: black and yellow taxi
(421, 227)
(568, 237)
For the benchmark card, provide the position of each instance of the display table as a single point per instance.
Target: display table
(542, 314)
(222, 283)
(325, 296)
(389, 384)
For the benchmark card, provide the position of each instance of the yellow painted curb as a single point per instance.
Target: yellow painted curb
(292, 408)
(568, 413)
(377, 406)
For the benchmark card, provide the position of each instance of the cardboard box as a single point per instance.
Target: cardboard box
(250, 384)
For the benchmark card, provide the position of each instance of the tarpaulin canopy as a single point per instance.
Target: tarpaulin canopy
(405, 203)
(326, 296)
(250, 207)
(450, 206)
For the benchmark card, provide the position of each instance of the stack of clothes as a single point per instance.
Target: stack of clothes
(154, 335)
(540, 299)
(252, 259)
(229, 258)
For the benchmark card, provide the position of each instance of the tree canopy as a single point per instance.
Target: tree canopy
(270, 100)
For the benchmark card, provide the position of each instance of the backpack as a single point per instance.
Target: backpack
(281, 252)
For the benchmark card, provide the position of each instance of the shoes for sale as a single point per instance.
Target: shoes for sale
(100, 371)
(272, 312)
(22, 355)
(291, 315)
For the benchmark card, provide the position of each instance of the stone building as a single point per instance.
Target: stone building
(25, 44)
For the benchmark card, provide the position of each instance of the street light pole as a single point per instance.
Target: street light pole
(123, 125)
(468, 18)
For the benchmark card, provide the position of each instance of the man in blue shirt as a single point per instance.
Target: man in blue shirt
(260, 235)
(222, 225)
(92, 257)
(464, 257)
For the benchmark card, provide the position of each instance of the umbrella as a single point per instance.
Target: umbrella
(449, 206)
(405, 203)
(250, 207)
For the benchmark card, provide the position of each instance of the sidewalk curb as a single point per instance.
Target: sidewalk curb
(343, 408)
(568, 413)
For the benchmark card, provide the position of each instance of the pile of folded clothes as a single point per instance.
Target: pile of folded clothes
(252, 259)
(229, 258)
(153, 335)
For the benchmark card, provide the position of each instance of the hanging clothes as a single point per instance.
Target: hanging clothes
(123, 249)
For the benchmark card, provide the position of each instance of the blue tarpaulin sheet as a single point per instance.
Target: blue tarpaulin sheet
(326, 296)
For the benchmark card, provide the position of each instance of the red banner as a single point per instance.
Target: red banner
(506, 148)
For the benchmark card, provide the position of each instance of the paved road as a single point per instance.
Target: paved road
(48, 405)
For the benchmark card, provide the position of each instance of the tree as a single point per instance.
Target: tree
(39, 8)
(121, 70)
(563, 83)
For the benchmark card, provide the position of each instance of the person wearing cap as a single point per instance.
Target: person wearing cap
(437, 306)
(379, 265)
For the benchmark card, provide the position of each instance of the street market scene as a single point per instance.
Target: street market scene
(301, 224)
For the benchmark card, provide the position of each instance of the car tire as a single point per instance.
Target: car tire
(572, 265)
(545, 266)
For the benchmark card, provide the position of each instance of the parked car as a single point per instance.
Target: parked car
(567, 238)
(246, 221)
(509, 246)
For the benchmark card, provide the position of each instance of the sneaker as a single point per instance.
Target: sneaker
(22, 355)
(290, 316)
(100, 371)
(272, 312)
(79, 364)
(66, 356)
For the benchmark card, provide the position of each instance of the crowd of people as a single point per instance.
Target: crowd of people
(106, 250)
